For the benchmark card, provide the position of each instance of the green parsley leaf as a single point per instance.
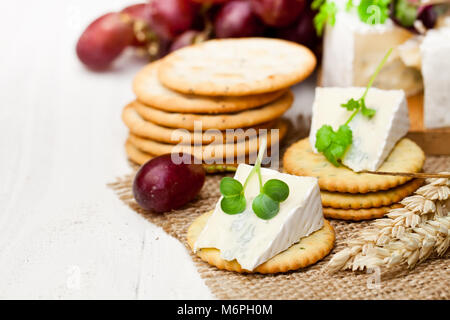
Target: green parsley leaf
(351, 105)
(230, 187)
(333, 144)
(405, 12)
(344, 136)
(234, 204)
(373, 11)
(324, 137)
(327, 14)
(315, 5)
(265, 207)
(276, 189)
(349, 5)
(367, 112)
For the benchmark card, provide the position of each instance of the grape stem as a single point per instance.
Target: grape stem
(215, 168)
(208, 28)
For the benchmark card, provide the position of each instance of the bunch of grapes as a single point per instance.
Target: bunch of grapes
(161, 26)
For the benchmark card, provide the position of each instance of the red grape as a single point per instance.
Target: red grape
(210, 1)
(278, 13)
(185, 39)
(104, 40)
(428, 16)
(236, 19)
(302, 32)
(140, 11)
(172, 17)
(162, 185)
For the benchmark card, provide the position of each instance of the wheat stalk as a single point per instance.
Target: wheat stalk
(408, 235)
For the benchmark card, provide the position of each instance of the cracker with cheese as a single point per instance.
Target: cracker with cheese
(354, 133)
(301, 159)
(265, 222)
(305, 252)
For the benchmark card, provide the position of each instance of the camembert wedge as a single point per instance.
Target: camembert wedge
(251, 240)
(352, 50)
(373, 138)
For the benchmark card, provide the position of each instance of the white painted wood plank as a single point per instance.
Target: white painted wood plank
(63, 233)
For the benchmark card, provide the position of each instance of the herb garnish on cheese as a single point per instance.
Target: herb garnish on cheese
(334, 144)
(266, 205)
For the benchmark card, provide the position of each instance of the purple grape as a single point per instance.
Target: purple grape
(185, 39)
(210, 1)
(172, 17)
(236, 19)
(428, 16)
(162, 185)
(278, 13)
(302, 31)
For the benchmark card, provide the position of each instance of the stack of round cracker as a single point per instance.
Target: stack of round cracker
(215, 99)
(348, 195)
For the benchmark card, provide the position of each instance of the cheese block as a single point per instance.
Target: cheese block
(251, 240)
(435, 51)
(353, 49)
(409, 52)
(374, 138)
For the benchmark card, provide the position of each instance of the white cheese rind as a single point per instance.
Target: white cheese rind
(353, 50)
(251, 240)
(435, 50)
(373, 139)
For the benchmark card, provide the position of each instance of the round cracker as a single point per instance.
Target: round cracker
(236, 67)
(300, 255)
(136, 155)
(214, 151)
(139, 157)
(148, 129)
(241, 119)
(300, 159)
(358, 214)
(150, 91)
(370, 199)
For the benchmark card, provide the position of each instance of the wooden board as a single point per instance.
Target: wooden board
(432, 141)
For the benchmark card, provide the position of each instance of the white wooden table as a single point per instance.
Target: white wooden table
(63, 233)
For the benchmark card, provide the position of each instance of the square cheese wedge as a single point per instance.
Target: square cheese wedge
(435, 50)
(374, 138)
(251, 240)
(353, 49)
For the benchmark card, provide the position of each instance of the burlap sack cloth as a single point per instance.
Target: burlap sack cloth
(429, 280)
